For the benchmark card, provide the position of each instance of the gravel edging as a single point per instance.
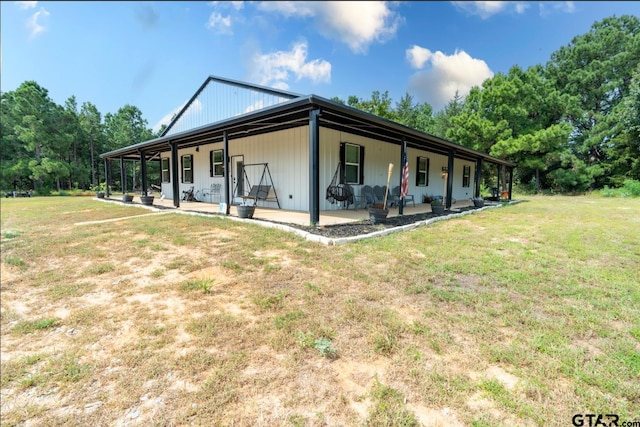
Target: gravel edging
(317, 234)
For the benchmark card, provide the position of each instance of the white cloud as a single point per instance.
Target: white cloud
(548, 8)
(447, 74)
(486, 9)
(255, 106)
(220, 24)
(195, 107)
(26, 4)
(521, 7)
(34, 23)
(358, 24)
(274, 69)
(237, 5)
(418, 56)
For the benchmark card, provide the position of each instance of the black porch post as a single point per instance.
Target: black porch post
(143, 171)
(478, 177)
(450, 178)
(174, 172)
(510, 181)
(403, 148)
(106, 177)
(227, 197)
(314, 167)
(499, 189)
(123, 176)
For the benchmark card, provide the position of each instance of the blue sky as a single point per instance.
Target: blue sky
(155, 55)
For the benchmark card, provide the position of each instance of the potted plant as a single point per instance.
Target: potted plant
(127, 198)
(478, 202)
(146, 199)
(426, 198)
(378, 213)
(437, 207)
(246, 211)
(99, 189)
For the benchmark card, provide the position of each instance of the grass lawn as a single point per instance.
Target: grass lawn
(523, 315)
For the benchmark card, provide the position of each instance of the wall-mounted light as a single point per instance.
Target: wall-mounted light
(197, 149)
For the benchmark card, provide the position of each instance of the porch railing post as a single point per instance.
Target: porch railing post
(174, 174)
(227, 197)
(450, 178)
(143, 171)
(314, 167)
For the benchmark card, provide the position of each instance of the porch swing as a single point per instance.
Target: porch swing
(341, 193)
(263, 188)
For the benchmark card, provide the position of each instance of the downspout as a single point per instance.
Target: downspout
(314, 167)
(227, 197)
(174, 171)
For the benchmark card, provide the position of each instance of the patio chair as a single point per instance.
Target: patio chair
(379, 193)
(395, 194)
(367, 196)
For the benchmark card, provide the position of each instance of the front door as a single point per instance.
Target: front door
(237, 178)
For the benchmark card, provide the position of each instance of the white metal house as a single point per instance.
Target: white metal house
(240, 135)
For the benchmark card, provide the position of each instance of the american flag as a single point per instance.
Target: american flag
(404, 184)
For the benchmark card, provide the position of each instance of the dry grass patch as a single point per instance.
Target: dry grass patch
(517, 316)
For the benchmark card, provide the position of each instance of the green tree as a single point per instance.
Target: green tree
(92, 128)
(518, 117)
(442, 120)
(595, 70)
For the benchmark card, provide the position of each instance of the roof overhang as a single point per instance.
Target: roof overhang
(295, 113)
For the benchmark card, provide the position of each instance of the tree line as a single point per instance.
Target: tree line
(572, 124)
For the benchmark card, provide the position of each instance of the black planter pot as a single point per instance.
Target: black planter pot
(100, 194)
(245, 211)
(437, 209)
(478, 203)
(147, 200)
(127, 198)
(378, 215)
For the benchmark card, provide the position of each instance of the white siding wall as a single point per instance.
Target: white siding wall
(376, 162)
(287, 153)
(201, 175)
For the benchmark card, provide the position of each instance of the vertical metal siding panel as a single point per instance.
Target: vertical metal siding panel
(219, 101)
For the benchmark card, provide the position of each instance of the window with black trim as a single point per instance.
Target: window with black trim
(466, 176)
(216, 163)
(422, 172)
(187, 168)
(166, 175)
(352, 163)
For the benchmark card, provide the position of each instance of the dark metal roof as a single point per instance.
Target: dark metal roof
(295, 113)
